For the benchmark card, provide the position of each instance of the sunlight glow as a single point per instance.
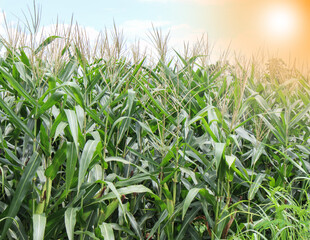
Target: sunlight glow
(282, 22)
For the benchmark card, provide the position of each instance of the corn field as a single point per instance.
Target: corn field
(99, 145)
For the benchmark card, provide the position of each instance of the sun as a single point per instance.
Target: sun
(281, 22)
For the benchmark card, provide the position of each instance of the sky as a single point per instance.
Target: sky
(276, 28)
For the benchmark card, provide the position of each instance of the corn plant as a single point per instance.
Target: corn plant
(97, 146)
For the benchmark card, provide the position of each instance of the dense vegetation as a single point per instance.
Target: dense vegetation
(103, 146)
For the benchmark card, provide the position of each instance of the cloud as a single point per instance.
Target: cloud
(63, 29)
(138, 29)
(178, 34)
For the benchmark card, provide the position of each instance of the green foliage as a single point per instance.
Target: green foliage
(109, 149)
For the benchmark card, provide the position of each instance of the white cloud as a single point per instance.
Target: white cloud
(178, 34)
(138, 28)
(63, 29)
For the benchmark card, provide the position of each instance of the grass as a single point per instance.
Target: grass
(99, 144)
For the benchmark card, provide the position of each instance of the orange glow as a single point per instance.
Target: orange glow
(280, 27)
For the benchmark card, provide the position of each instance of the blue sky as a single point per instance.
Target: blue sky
(244, 25)
(93, 13)
(133, 17)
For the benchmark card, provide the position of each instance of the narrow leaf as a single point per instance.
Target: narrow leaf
(71, 164)
(73, 124)
(85, 160)
(134, 225)
(219, 150)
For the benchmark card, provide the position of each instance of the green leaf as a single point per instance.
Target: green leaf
(110, 209)
(71, 164)
(201, 114)
(88, 233)
(126, 123)
(114, 190)
(255, 186)
(156, 103)
(24, 73)
(80, 116)
(46, 42)
(107, 231)
(121, 160)
(219, 151)
(188, 200)
(70, 220)
(39, 222)
(230, 160)
(22, 189)
(15, 119)
(271, 125)
(44, 139)
(209, 130)
(75, 92)
(18, 87)
(127, 190)
(299, 116)
(51, 101)
(73, 124)
(87, 154)
(58, 159)
(60, 129)
(186, 222)
(134, 224)
(258, 150)
(162, 217)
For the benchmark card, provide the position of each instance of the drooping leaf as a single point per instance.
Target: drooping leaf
(46, 42)
(39, 222)
(70, 220)
(107, 231)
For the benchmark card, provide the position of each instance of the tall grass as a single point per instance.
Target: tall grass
(98, 144)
